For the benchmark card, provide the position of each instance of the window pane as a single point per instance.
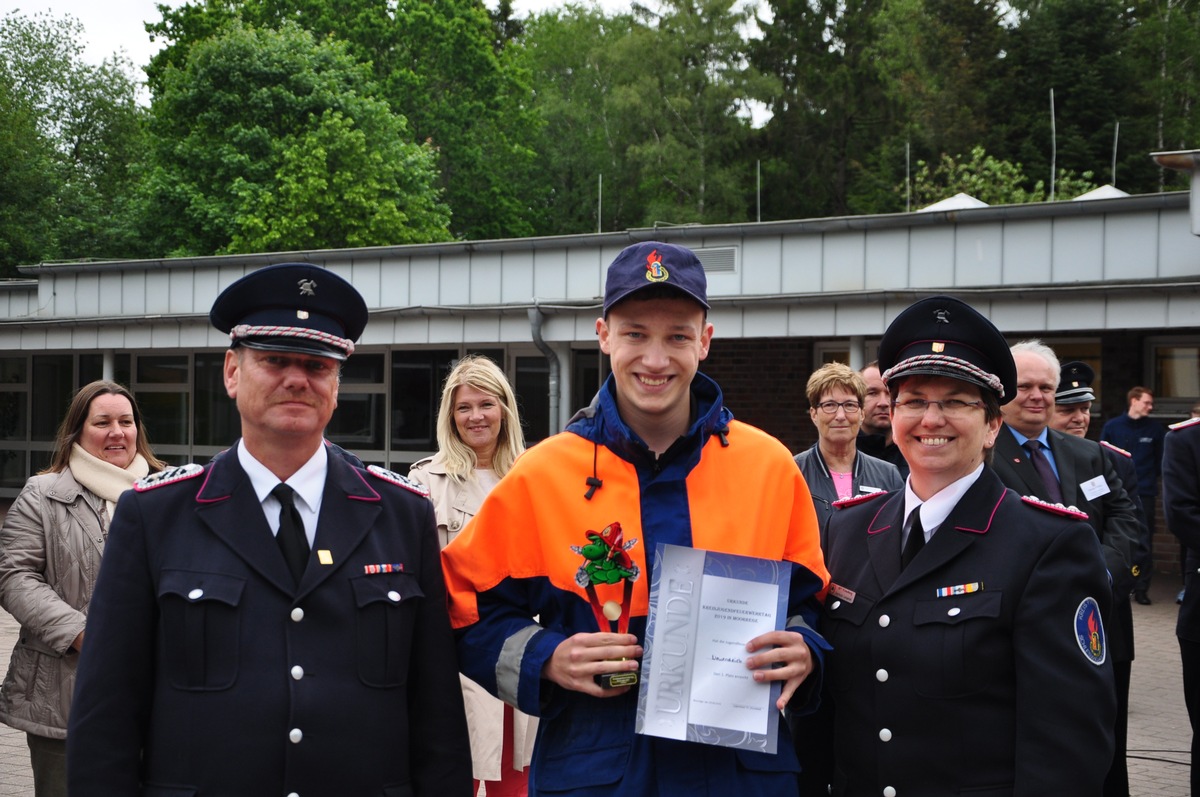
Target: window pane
(12, 370)
(217, 422)
(1175, 373)
(52, 376)
(12, 469)
(162, 370)
(533, 397)
(357, 422)
(123, 369)
(13, 415)
(417, 378)
(91, 368)
(363, 369)
(166, 417)
(585, 378)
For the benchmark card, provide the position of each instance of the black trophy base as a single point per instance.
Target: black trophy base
(615, 680)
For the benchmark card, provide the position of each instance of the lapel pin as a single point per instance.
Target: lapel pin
(324, 557)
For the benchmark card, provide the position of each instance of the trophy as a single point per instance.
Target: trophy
(606, 561)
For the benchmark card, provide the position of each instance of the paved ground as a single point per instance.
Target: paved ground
(1158, 727)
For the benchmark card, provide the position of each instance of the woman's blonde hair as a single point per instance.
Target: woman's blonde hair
(834, 375)
(481, 373)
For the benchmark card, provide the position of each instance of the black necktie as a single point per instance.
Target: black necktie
(291, 537)
(1042, 466)
(915, 542)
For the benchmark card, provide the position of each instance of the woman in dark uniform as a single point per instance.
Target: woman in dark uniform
(969, 655)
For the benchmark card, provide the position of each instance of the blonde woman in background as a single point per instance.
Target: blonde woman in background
(479, 438)
(50, 548)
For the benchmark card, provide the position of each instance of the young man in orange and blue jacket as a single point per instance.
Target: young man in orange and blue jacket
(655, 459)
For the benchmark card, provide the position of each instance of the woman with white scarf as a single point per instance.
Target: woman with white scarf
(50, 548)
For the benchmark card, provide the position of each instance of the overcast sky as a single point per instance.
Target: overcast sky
(112, 25)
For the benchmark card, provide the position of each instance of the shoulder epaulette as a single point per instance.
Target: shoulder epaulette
(398, 480)
(1118, 449)
(1184, 424)
(168, 476)
(1054, 509)
(854, 500)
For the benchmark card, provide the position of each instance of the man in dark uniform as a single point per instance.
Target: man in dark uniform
(875, 436)
(1072, 414)
(969, 653)
(1181, 507)
(275, 622)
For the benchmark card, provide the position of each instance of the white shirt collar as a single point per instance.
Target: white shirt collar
(934, 511)
(308, 482)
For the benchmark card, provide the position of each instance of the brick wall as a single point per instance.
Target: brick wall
(763, 381)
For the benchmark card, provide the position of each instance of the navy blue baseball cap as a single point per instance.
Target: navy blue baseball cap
(943, 336)
(1075, 383)
(653, 263)
(292, 307)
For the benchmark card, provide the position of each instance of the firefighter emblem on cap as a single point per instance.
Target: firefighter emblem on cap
(655, 271)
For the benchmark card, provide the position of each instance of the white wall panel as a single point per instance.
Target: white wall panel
(1130, 247)
(517, 271)
(1136, 312)
(978, 255)
(761, 264)
(424, 284)
(887, 260)
(765, 322)
(844, 265)
(550, 274)
(1077, 250)
(1026, 252)
(931, 262)
(394, 284)
(810, 320)
(801, 266)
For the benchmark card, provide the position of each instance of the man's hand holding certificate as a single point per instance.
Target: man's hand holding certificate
(699, 677)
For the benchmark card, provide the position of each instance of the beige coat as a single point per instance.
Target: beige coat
(454, 505)
(50, 548)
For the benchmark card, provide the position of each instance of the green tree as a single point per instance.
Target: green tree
(70, 135)
(443, 64)
(271, 140)
(989, 180)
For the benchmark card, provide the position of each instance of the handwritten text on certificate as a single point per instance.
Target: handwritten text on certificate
(724, 692)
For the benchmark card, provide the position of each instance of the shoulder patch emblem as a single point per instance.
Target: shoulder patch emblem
(854, 500)
(1184, 424)
(398, 480)
(168, 476)
(1055, 509)
(1089, 631)
(1118, 449)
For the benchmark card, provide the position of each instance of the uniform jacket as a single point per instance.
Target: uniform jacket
(455, 504)
(1181, 507)
(985, 689)
(50, 549)
(724, 486)
(870, 475)
(205, 658)
(1143, 439)
(1080, 462)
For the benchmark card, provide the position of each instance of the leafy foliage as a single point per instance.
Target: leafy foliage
(989, 180)
(271, 140)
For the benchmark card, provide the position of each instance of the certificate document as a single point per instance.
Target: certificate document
(704, 608)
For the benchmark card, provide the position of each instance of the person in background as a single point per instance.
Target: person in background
(1142, 436)
(656, 458)
(51, 544)
(969, 651)
(833, 466)
(875, 437)
(1072, 415)
(1181, 509)
(479, 438)
(275, 621)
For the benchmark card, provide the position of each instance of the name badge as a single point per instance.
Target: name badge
(1094, 488)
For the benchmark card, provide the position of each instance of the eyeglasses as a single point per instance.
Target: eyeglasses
(951, 408)
(831, 407)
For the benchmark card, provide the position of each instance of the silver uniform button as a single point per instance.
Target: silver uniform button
(295, 735)
(884, 621)
(297, 614)
(394, 596)
(888, 791)
(885, 735)
(297, 672)
(196, 594)
(955, 612)
(835, 605)
(881, 675)
(293, 794)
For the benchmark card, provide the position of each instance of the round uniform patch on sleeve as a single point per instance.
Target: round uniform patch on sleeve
(1089, 631)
